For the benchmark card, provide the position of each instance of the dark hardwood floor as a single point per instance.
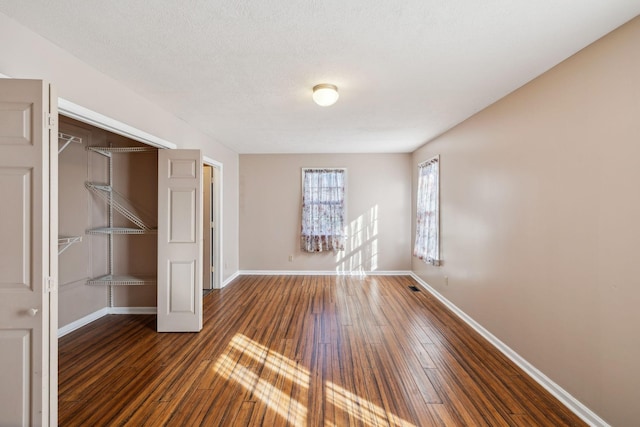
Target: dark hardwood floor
(300, 351)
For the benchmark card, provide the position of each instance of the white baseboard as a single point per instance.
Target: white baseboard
(82, 322)
(133, 310)
(230, 279)
(321, 273)
(66, 329)
(558, 392)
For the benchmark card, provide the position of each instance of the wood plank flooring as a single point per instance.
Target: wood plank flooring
(299, 351)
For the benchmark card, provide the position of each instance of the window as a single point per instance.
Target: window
(323, 210)
(427, 245)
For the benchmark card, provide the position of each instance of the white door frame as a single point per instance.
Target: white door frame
(217, 217)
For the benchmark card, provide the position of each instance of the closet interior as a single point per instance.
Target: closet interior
(108, 210)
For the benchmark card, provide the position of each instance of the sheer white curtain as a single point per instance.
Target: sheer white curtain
(427, 245)
(323, 210)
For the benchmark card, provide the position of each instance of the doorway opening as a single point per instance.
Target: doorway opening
(211, 231)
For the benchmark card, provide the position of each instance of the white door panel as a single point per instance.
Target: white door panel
(182, 213)
(15, 263)
(179, 241)
(15, 352)
(26, 162)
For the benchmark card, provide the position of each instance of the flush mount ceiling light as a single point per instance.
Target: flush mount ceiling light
(325, 94)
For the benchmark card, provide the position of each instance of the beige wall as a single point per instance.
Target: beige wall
(28, 55)
(541, 223)
(378, 206)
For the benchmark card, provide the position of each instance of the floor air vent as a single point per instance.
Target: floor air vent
(414, 288)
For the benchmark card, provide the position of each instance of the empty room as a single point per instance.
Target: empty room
(322, 213)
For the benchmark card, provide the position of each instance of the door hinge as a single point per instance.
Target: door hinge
(51, 120)
(213, 269)
(50, 284)
(213, 225)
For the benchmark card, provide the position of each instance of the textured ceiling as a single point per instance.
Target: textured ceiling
(242, 71)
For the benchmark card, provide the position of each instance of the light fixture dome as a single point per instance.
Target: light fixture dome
(325, 94)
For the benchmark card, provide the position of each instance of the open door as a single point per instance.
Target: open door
(28, 265)
(179, 241)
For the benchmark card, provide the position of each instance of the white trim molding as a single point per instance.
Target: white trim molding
(133, 310)
(321, 273)
(230, 279)
(558, 392)
(211, 162)
(101, 121)
(66, 329)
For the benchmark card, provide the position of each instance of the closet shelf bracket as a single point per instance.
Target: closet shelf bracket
(65, 242)
(67, 139)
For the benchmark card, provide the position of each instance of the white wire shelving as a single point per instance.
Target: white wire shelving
(124, 207)
(122, 280)
(144, 222)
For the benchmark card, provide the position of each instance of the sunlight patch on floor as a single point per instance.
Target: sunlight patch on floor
(271, 359)
(229, 366)
(361, 409)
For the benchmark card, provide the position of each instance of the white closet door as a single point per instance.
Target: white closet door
(27, 207)
(179, 240)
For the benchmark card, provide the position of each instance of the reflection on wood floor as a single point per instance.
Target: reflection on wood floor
(299, 351)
